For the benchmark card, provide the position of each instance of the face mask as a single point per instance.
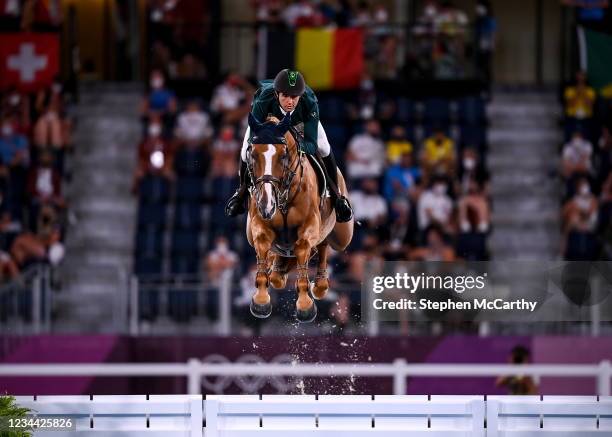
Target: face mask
(154, 130)
(157, 82)
(381, 16)
(585, 190)
(430, 11)
(15, 99)
(7, 129)
(222, 247)
(157, 159)
(469, 163)
(440, 189)
(481, 10)
(56, 88)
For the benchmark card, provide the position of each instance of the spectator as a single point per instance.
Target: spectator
(518, 384)
(438, 155)
(474, 211)
(161, 102)
(225, 151)
(471, 168)
(580, 212)
(576, 158)
(44, 245)
(231, 99)
(155, 154)
(219, 260)
(17, 104)
(13, 144)
(51, 129)
(450, 20)
(398, 144)
(401, 179)
(435, 206)
(436, 248)
(369, 206)
(193, 125)
(44, 183)
(579, 102)
(366, 153)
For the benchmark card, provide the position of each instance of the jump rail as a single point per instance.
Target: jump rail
(328, 416)
(399, 370)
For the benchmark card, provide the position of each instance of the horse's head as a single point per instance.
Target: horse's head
(268, 161)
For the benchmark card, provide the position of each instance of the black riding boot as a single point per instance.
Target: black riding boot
(344, 212)
(236, 204)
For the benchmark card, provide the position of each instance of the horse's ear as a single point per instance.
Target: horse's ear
(254, 124)
(284, 125)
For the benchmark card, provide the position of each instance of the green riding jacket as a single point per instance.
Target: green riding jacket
(265, 103)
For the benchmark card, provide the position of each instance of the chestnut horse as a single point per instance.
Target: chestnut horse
(288, 220)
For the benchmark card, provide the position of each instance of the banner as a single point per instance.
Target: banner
(596, 58)
(28, 61)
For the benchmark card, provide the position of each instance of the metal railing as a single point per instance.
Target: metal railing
(194, 370)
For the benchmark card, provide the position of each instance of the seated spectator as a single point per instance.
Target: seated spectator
(231, 100)
(303, 13)
(401, 179)
(52, 128)
(450, 20)
(17, 104)
(42, 245)
(580, 212)
(604, 151)
(218, 261)
(471, 168)
(368, 205)
(160, 102)
(193, 126)
(155, 155)
(225, 151)
(190, 67)
(44, 183)
(13, 144)
(435, 206)
(576, 159)
(438, 155)
(398, 144)
(366, 153)
(579, 103)
(398, 230)
(436, 248)
(474, 210)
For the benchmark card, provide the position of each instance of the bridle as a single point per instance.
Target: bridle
(281, 187)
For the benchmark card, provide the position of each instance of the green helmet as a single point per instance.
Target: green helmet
(289, 82)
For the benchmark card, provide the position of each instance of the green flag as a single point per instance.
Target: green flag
(596, 58)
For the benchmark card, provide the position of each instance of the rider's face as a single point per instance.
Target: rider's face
(288, 103)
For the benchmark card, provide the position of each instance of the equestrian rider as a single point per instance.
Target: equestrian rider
(288, 93)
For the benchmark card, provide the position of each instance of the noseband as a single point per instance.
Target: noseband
(281, 187)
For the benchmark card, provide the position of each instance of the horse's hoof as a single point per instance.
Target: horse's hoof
(261, 311)
(307, 316)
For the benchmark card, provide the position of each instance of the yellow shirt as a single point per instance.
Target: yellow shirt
(579, 105)
(396, 148)
(439, 152)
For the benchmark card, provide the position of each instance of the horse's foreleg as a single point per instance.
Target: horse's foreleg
(305, 306)
(321, 280)
(260, 304)
(279, 273)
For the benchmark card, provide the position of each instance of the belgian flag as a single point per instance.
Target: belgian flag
(329, 59)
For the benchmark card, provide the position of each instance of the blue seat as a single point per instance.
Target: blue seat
(148, 265)
(405, 110)
(472, 110)
(154, 189)
(428, 129)
(190, 189)
(191, 162)
(473, 135)
(152, 214)
(184, 265)
(337, 135)
(187, 216)
(149, 242)
(437, 110)
(185, 242)
(331, 109)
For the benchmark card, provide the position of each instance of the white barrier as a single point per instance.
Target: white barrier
(328, 416)
(399, 370)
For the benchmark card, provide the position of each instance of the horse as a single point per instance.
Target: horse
(288, 219)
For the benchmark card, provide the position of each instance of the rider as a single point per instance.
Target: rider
(288, 93)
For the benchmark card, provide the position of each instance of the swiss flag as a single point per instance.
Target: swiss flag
(28, 61)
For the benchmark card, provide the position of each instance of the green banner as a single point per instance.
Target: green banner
(599, 59)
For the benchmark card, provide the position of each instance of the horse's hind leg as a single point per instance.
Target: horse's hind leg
(321, 284)
(280, 271)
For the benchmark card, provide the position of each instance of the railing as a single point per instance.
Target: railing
(25, 302)
(194, 370)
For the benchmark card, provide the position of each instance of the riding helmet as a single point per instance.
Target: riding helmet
(289, 82)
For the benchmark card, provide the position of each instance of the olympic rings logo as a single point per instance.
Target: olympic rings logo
(250, 384)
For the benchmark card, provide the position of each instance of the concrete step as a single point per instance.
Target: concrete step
(512, 134)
